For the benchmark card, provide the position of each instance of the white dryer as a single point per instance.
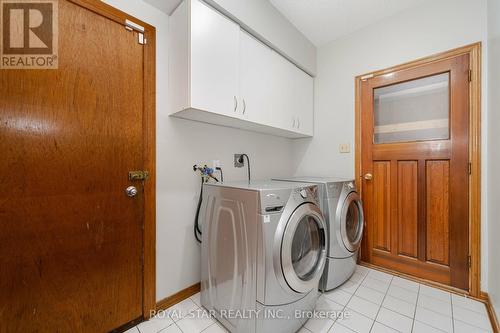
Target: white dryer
(343, 210)
(263, 254)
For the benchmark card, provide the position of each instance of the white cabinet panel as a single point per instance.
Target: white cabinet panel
(303, 102)
(284, 100)
(256, 80)
(214, 60)
(294, 97)
(220, 74)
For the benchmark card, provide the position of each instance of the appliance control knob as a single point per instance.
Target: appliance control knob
(303, 193)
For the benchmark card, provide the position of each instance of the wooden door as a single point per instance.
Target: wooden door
(415, 168)
(71, 240)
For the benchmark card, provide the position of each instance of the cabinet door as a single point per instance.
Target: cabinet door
(293, 97)
(257, 89)
(214, 60)
(303, 101)
(283, 114)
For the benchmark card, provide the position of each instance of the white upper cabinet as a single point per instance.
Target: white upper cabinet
(294, 93)
(257, 81)
(214, 60)
(303, 102)
(220, 74)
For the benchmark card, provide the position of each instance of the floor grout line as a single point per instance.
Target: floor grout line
(362, 276)
(415, 311)
(345, 306)
(452, 314)
(178, 327)
(380, 307)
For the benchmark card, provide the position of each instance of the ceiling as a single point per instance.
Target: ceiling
(166, 6)
(322, 21)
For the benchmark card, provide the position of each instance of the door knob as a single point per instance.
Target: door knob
(368, 176)
(131, 191)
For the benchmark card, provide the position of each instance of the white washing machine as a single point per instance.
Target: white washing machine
(343, 211)
(263, 254)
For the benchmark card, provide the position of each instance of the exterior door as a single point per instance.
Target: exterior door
(71, 240)
(415, 168)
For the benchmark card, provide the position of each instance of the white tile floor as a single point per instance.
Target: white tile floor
(372, 301)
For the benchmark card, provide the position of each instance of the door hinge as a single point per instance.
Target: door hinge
(470, 75)
(142, 40)
(470, 168)
(138, 175)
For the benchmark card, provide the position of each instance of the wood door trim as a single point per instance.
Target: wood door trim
(484, 297)
(178, 297)
(474, 52)
(149, 130)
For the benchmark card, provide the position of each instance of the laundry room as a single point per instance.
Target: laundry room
(263, 166)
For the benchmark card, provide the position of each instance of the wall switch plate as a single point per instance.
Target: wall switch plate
(237, 163)
(345, 148)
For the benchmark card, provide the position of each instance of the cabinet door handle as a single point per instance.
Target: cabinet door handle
(298, 122)
(235, 103)
(293, 125)
(244, 106)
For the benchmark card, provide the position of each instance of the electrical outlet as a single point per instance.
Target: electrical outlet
(345, 148)
(239, 162)
(216, 164)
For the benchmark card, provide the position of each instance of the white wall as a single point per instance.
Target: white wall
(494, 152)
(431, 28)
(264, 20)
(182, 143)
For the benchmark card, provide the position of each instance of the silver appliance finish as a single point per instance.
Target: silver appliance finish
(338, 201)
(263, 253)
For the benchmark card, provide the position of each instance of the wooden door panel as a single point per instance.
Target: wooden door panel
(407, 208)
(437, 220)
(413, 150)
(417, 201)
(382, 205)
(71, 241)
(412, 266)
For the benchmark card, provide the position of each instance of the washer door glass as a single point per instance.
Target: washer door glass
(303, 248)
(306, 247)
(352, 222)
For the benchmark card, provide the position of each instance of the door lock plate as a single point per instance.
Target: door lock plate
(138, 175)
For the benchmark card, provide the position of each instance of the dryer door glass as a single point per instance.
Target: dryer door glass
(352, 221)
(306, 247)
(303, 248)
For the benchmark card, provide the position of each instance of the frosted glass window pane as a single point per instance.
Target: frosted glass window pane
(416, 110)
